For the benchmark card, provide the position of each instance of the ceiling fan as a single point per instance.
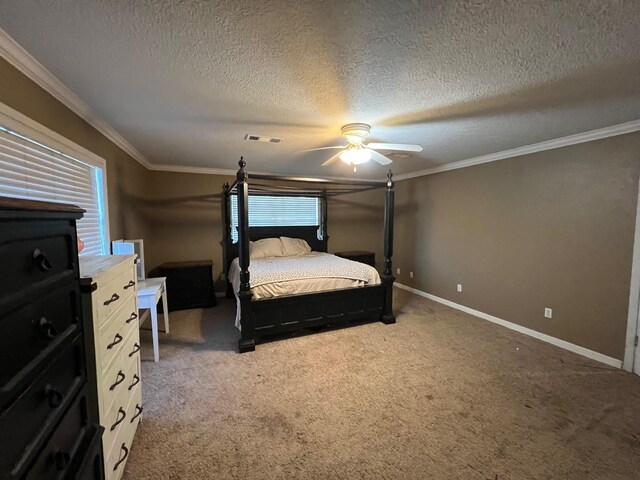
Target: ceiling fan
(357, 152)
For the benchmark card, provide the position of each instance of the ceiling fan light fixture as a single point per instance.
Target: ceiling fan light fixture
(356, 133)
(355, 156)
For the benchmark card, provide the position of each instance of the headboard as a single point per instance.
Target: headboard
(308, 233)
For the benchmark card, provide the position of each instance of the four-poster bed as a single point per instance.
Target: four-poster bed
(260, 317)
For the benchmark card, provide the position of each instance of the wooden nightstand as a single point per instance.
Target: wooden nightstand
(359, 256)
(189, 284)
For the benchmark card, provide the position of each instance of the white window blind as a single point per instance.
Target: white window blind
(29, 169)
(277, 211)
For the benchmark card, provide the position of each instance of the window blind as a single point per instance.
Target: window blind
(277, 211)
(31, 170)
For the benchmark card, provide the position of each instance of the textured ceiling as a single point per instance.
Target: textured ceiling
(184, 81)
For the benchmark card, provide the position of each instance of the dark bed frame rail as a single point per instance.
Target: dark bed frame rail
(259, 318)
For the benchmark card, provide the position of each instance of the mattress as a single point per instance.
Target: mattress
(315, 272)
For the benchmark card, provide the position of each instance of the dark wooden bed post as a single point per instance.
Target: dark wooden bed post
(387, 277)
(247, 342)
(324, 207)
(227, 235)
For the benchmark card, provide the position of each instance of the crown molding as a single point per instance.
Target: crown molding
(612, 131)
(17, 56)
(187, 169)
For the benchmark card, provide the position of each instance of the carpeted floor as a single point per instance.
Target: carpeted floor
(439, 395)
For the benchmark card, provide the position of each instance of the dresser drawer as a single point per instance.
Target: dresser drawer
(29, 418)
(115, 383)
(35, 259)
(122, 411)
(65, 445)
(114, 332)
(116, 460)
(33, 332)
(112, 295)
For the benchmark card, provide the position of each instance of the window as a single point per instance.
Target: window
(31, 169)
(270, 210)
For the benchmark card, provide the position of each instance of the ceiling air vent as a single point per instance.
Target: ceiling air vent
(262, 138)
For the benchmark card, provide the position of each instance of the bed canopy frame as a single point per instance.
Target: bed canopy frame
(290, 313)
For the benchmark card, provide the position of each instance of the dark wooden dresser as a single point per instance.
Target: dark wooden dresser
(48, 407)
(189, 284)
(359, 256)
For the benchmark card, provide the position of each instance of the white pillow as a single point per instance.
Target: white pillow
(267, 247)
(293, 247)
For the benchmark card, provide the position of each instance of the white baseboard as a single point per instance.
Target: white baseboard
(519, 328)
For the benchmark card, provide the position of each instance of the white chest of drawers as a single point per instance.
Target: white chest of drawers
(111, 281)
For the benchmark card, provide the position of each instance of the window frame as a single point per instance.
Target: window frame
(23, 125)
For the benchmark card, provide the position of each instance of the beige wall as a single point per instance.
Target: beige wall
(184, 213)
(355, 222)
(551, 229)
(126, 178)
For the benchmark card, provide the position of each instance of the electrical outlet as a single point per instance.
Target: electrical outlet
(398, 271)
(410, 274)
(548, 312)
(222, 276)
(460, 287)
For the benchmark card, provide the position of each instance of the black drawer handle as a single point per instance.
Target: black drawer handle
(47, 328)
(124, 457)
(61, 459)
(116, 340)
(136, 380)
(113, 298)
(41, 260)
(121, 416)
(130, 284)
(132, 317)
(54, 396)
(119, 380)
(136, 349)
(138, 413)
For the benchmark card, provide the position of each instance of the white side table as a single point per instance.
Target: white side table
(150, 290)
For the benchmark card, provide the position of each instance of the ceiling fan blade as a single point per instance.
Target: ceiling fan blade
(401, 147)
(324, 148)
(379, 158)
(332, 160)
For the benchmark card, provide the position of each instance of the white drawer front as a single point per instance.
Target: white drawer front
(119, 376)
(113, 333)
(113, 294)
(122, 411)
(115, 461)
